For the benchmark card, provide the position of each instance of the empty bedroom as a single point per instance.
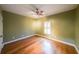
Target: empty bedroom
(39, 28)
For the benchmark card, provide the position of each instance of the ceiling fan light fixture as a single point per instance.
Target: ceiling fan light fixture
(39, 12)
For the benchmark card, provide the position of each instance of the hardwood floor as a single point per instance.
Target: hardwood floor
(38, 45)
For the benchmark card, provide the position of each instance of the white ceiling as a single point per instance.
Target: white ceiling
(26, 9)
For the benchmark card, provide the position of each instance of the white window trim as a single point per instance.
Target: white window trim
(47, 27)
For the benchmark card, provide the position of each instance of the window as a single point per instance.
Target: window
(47, 27)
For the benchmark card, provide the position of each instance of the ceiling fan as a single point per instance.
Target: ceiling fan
(36, 12)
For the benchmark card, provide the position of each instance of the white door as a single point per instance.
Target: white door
(1, 32)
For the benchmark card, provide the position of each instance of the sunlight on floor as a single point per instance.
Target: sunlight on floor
(47, 46)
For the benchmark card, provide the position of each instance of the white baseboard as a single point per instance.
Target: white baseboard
(18, 39)
(55, 39)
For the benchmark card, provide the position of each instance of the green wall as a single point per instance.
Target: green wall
(16, 26)
(63, 26)
(77, 27)
(1, 30)
(41, 27)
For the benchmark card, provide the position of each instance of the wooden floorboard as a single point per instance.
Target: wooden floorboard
(37, 45)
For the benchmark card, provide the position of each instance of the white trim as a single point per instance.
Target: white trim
(55, 39)
(76, 48)
(18, 39)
